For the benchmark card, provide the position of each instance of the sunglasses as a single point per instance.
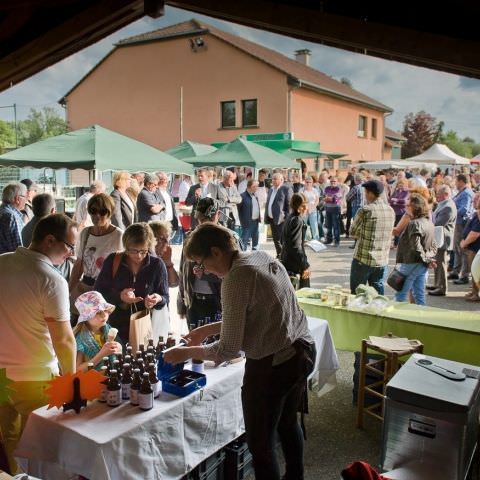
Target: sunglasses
(100, 211)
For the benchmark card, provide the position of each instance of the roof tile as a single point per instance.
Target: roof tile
(277, 60)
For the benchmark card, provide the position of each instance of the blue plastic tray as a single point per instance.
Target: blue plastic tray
(178, 381)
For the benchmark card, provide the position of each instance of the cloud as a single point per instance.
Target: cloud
(405, 88)
(469, 83)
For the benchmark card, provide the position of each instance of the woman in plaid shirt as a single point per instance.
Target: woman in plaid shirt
(261, 317)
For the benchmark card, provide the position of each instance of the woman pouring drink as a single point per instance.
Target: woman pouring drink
(261, 317)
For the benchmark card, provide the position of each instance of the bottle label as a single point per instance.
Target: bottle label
(134, 396)
(103, 394)
(157, 388)
(114, 397)
(145, 401)
(126, 392)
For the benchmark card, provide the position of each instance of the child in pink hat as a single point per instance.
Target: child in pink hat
(94, 336)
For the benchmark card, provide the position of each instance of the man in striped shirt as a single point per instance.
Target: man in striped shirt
(372, 228)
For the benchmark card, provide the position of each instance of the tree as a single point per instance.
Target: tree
(40, 124)
(421, 131)
(457, 145)
(7, 135)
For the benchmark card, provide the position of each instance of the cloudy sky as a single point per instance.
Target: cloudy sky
(451, 98)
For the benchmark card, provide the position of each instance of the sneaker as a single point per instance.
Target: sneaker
(453, 276)
(336, 244)
(461, 281)
(431, 287)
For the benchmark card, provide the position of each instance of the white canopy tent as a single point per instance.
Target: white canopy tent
(441, 155)
(396, 165)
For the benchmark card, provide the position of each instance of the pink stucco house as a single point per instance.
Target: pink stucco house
(192, 81)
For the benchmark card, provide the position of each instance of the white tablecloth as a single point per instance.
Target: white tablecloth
(103, 443)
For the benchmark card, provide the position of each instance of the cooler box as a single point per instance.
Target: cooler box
(431, 422)
(177, 381)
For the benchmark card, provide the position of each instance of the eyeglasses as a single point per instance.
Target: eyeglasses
(70, 246)
(134, 251)
(100, 211)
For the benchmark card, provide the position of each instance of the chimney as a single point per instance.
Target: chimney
(303, 56)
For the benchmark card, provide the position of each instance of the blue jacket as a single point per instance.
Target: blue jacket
(280, 205)
(464, 202)
(245, 210)
(151, 278)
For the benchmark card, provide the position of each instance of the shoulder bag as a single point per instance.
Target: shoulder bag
(396, 279)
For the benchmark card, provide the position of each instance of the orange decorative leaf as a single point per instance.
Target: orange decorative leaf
(91, 384)
(60, 391)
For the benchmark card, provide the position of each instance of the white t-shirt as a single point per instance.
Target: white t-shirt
(183, 191)
(97, 249)
(32, 290)
(312, 196)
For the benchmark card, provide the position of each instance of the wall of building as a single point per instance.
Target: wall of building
(334, 123)
(136, 92)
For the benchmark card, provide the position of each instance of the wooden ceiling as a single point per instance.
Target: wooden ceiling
(35, 34)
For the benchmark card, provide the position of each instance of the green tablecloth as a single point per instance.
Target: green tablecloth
(454, 335)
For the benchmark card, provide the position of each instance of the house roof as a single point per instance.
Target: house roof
(393, 135)
(306, 76)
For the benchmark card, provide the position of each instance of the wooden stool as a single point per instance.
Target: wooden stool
(390, 367)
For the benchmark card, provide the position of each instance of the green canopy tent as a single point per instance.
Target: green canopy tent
(190, 149)
(94, 148)
(243, 153)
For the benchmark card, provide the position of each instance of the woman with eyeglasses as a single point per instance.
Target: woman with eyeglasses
(261, 317)
(94, 245)
(134, 279)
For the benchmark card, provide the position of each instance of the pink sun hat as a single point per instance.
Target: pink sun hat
(90, 303)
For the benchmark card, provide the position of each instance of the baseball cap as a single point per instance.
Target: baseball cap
(374, 186)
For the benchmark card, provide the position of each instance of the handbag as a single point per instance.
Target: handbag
(396, 279)
(140, 331)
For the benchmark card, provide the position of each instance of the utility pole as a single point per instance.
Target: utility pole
(15, 117)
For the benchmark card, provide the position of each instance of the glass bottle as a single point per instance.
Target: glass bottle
(160, 346)
(154, 381)
(114, 390)
(126, 382)
(103, 394)
(145, 394)
(135, 386)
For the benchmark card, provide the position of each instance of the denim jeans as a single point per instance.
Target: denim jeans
(416, 279)
(333, 224)
(312, 220)
(250, 232)
(361, 273)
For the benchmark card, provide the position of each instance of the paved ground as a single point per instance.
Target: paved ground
(333, 441)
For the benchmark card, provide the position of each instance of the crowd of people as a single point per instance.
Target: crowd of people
(114, 258)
